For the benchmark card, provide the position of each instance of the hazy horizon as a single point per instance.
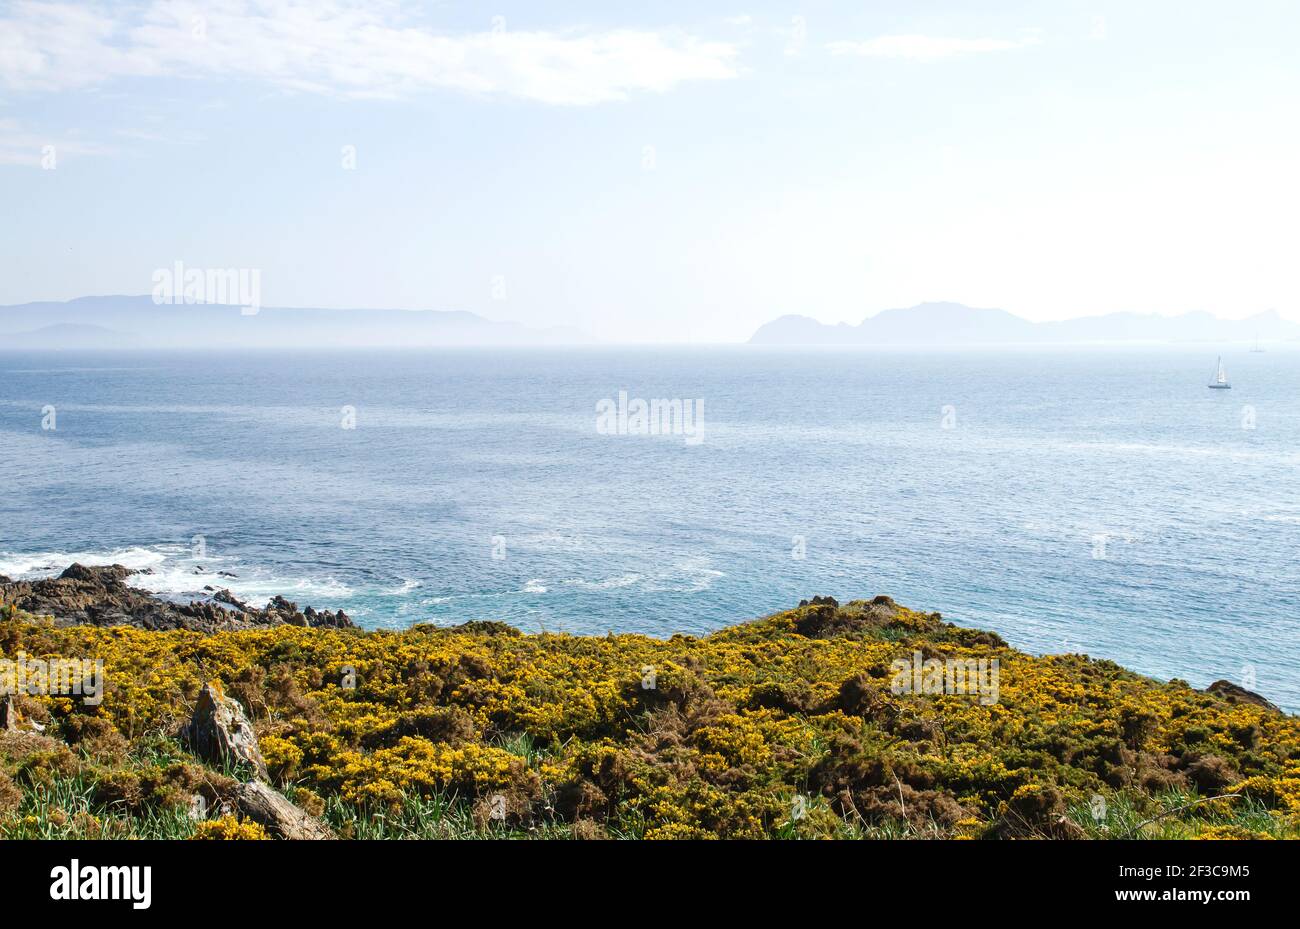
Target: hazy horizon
(171, 321)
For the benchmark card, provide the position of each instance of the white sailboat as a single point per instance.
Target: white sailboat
(1220, 381)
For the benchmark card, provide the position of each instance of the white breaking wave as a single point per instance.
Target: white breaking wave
(623, 580)
(691, 579)
(33, 565)
(182, 583)
(684, 577)
(174, 574)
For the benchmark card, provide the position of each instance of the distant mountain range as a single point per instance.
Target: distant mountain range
(955, 324)
(137, 322)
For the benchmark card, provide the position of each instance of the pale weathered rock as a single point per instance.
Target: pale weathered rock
(220, 733)
(8, 714)
(281, 818)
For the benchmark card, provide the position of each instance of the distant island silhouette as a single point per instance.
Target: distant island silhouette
(956, 324)
(138, 322)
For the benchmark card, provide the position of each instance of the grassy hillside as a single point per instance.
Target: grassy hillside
(782, 727)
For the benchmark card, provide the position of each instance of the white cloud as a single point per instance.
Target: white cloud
(345, 47)
(926, 47)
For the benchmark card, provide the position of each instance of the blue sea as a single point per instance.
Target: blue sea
(1083, 500)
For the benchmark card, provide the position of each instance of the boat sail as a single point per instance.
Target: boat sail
(1220, 381)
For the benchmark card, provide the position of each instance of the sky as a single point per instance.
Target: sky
(659, 172)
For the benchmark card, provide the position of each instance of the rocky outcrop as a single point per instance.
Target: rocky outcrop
(282, 819)
(100, 596)
(221, 734)
(1226, 690)
(823, 617)
(286, 611)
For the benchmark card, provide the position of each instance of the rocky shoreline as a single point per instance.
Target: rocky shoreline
(101, 596)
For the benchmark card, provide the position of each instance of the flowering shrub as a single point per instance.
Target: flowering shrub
(227, 827)
(783, 726)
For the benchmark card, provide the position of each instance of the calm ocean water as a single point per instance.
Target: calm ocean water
(1098, 501)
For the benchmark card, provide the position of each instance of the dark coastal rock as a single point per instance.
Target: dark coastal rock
(100, 596)
(823, 617)
(94, 596)
(220, 732)
(818, 617)
(279, 604)
(1233, 693)
(324, 619)
(819, 601)
(287, 612)
(225, 596)
(274, 811)
(79, 572)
